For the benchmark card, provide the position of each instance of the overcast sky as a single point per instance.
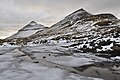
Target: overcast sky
(14, 14)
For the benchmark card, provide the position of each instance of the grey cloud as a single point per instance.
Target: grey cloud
(16, 13)
(67, 6)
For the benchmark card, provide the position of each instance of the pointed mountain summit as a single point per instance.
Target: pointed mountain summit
(81, 9)
(28, 30)
(32, 26)
(73, 17)
(79, 13)
(33, 23)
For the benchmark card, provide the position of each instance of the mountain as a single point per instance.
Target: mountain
(28, 30)
(80, 31)
(84, 32)
(78, 21)
(65, 25)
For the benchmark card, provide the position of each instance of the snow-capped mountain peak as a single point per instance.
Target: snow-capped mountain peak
(33, 23)
(28, 30)
(81, 9)
(78, 14)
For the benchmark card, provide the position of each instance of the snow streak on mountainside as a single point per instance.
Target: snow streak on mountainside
(28, 30)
